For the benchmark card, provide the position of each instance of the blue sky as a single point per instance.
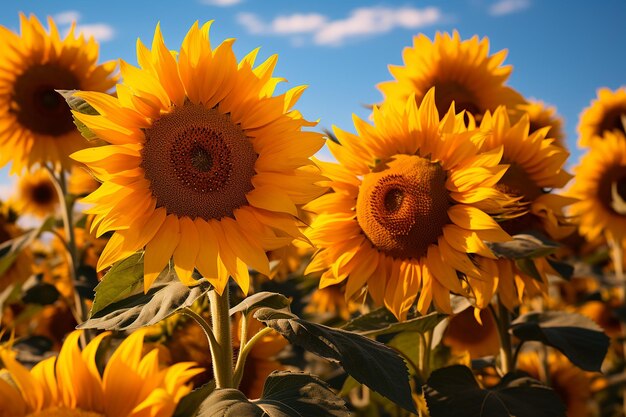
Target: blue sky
(561, 51)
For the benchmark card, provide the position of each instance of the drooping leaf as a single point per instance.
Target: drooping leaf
(188, 406)
(527, 266)
(454, 392)
(80, 105)
(137, 309)
(125, 277)
(523, 246)
(382, 321)
(576, 336)
(261, 299)
(565, 270)
(369, 362)
(285, 394)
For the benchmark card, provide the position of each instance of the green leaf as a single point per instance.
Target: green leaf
(81, 106)
(527, 266)
(189, 404)
(10, 249)
(285, 394)
(576, 336)
(382, 321)
(454, 392)
(523, 246)
(261, 299)
(138, 309)
(125, 277)
(369, 362)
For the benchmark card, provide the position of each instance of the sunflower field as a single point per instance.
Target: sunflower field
(192, 256)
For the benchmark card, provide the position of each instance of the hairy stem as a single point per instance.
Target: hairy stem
(223, 353)
(245, 351)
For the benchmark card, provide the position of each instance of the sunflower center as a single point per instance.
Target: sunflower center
(43, 193)
(198, 163)
(612, 190)
(517, 183)
(403, 206)
(64, 412)
(36, 104)
(448, 91)
(612, 121)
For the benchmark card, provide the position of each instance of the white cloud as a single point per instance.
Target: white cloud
(364, 21)
(221, 3)
(67, 17)
(252, 23)
(375, 20)
(298, 23)
(102, 32)
(504, 7)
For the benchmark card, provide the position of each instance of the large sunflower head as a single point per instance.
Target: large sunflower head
(536, 166)
(35, 123)
(461, 71)
(70, 385)
(36, 194)
(600, 186)
(203, 164)
(605, 114)
(413, 200)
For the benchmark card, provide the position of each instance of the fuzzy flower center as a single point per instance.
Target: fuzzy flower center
(198, 162)
(517, 183)
(43, 194)
(612, 190)
(403, 205)
(36, 104)
(612, 121)
(448, 91)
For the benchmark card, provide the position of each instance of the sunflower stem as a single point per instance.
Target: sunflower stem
(506, 351)
(80, 308)
(244, 352)
(206, 327)
(223, 352)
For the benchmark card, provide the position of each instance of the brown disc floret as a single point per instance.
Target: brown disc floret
(36, 104)
(198, 163)
(402, 206)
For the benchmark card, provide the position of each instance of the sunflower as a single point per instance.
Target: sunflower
(536, 165)
(542, 115)
(465, 333)
(605, 114)
(36, 194)
(35, 123)
(412, 203)
(600, 186)
(71, 385)
(461, 71)
(204, 164)
(21, 268)
(570, 383)
(329, 302)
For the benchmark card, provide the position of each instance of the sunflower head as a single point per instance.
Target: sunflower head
(36, 124)
(36, 194)
(413, 200)
(462, 71)
(607, 113)
(70, 385)
(600, 187)
(203, 164)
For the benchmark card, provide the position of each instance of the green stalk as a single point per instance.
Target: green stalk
(60, 184)
(223, 353)
(506, 351)
(244, 352)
